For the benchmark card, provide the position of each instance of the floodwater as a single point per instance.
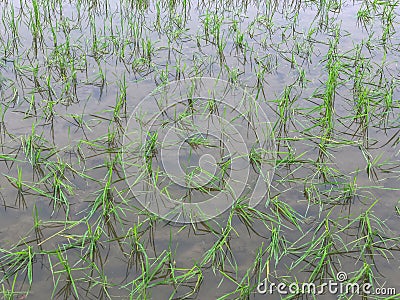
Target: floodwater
(63, 68)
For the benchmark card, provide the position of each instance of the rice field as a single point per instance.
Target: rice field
(164, 149)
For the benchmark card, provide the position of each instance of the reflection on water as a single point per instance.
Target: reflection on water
(71, 74)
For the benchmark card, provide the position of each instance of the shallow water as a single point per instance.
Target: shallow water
(88, 55)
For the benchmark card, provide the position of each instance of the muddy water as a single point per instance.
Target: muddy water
(180, 49)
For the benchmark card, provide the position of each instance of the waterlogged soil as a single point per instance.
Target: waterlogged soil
(325, 72)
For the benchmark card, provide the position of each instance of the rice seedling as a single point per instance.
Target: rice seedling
(150, 149)
(18, 184)
(60, 189)
(62, 272)
(33, 146)
(152, 274)
(105, 198)
(11, 293)
(364, 17)
(17, 262)
(37, 223)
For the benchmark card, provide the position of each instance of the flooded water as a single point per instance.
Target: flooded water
(189, 150)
